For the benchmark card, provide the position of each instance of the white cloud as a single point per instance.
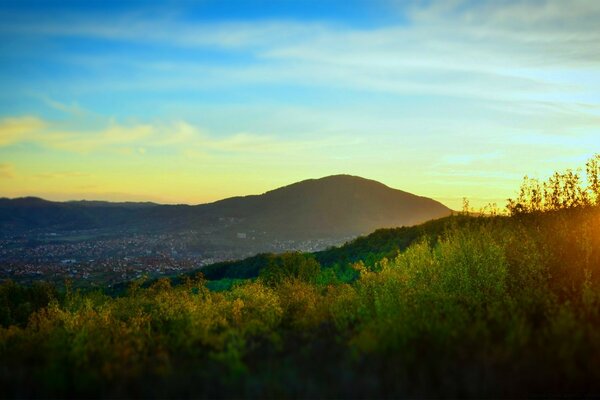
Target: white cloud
(488, 50)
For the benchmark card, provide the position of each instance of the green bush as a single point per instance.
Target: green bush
(287, 266)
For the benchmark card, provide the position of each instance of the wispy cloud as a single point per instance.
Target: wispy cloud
(447, 88)
(18, 129)
(173, 32)
(7, 171)
(62, 175)
(73, 109)
(487, 50)
(469, 159)
(179, 136)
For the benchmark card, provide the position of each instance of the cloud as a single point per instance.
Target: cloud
(62, 175)
(202, 144)
(469, 159)
(476, 177)
(7, 171)
(20, 129)
(29, 129)
(72, 109)
(139, 139)
(482, 49)
(113, 136)
(554, 15)
(442, 91)
(132, 28)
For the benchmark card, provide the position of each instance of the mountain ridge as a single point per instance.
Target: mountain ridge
(332, 206)
(153, 203)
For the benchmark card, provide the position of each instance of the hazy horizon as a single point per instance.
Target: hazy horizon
(141, 200)
(192, 103)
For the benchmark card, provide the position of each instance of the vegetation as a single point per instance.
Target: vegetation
(473, 306)
(560, 191)
(383, 243)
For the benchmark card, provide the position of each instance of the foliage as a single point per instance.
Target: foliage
(470, 307)
(223, 284)
(18, 302)
(560, 191)
(494, 307)
(288, 266)
(243, 269)
(368, 249)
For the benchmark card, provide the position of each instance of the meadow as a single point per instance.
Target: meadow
(474, 306)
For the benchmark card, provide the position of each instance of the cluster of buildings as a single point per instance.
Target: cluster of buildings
(81, 249)
(93, 258)
(100, 260)
(101, 272)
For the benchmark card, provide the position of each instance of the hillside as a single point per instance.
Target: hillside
(385, 242)
(503, 307)
(469, 307)
(339, 206)
(25, 214)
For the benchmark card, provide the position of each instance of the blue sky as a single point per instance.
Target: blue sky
(195, 101)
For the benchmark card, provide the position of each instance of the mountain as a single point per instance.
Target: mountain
(338, 206)
(25, 214)
(125, 204)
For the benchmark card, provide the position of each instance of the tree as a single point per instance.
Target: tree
(560, 191)
(592, 169)
(292, 265)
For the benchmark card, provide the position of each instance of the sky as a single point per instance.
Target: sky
(194, 101)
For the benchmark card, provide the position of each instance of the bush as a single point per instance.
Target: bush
(286, 266)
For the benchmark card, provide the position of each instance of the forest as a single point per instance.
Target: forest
(473, 305)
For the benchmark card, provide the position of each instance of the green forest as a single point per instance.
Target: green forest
(472, 305)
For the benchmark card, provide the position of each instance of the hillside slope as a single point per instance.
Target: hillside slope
(385, 242)
(335, 206)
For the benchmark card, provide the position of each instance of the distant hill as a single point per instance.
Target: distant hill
(126, 204)
(25, 214)
(331, 207)
(334, 205)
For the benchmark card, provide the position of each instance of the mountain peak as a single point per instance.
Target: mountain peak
(331, 182)
(335, 206)
(342, 205)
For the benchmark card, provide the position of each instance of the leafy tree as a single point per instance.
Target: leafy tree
(561, 191)
(17, 302)
(293, 265)
(593, 177)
